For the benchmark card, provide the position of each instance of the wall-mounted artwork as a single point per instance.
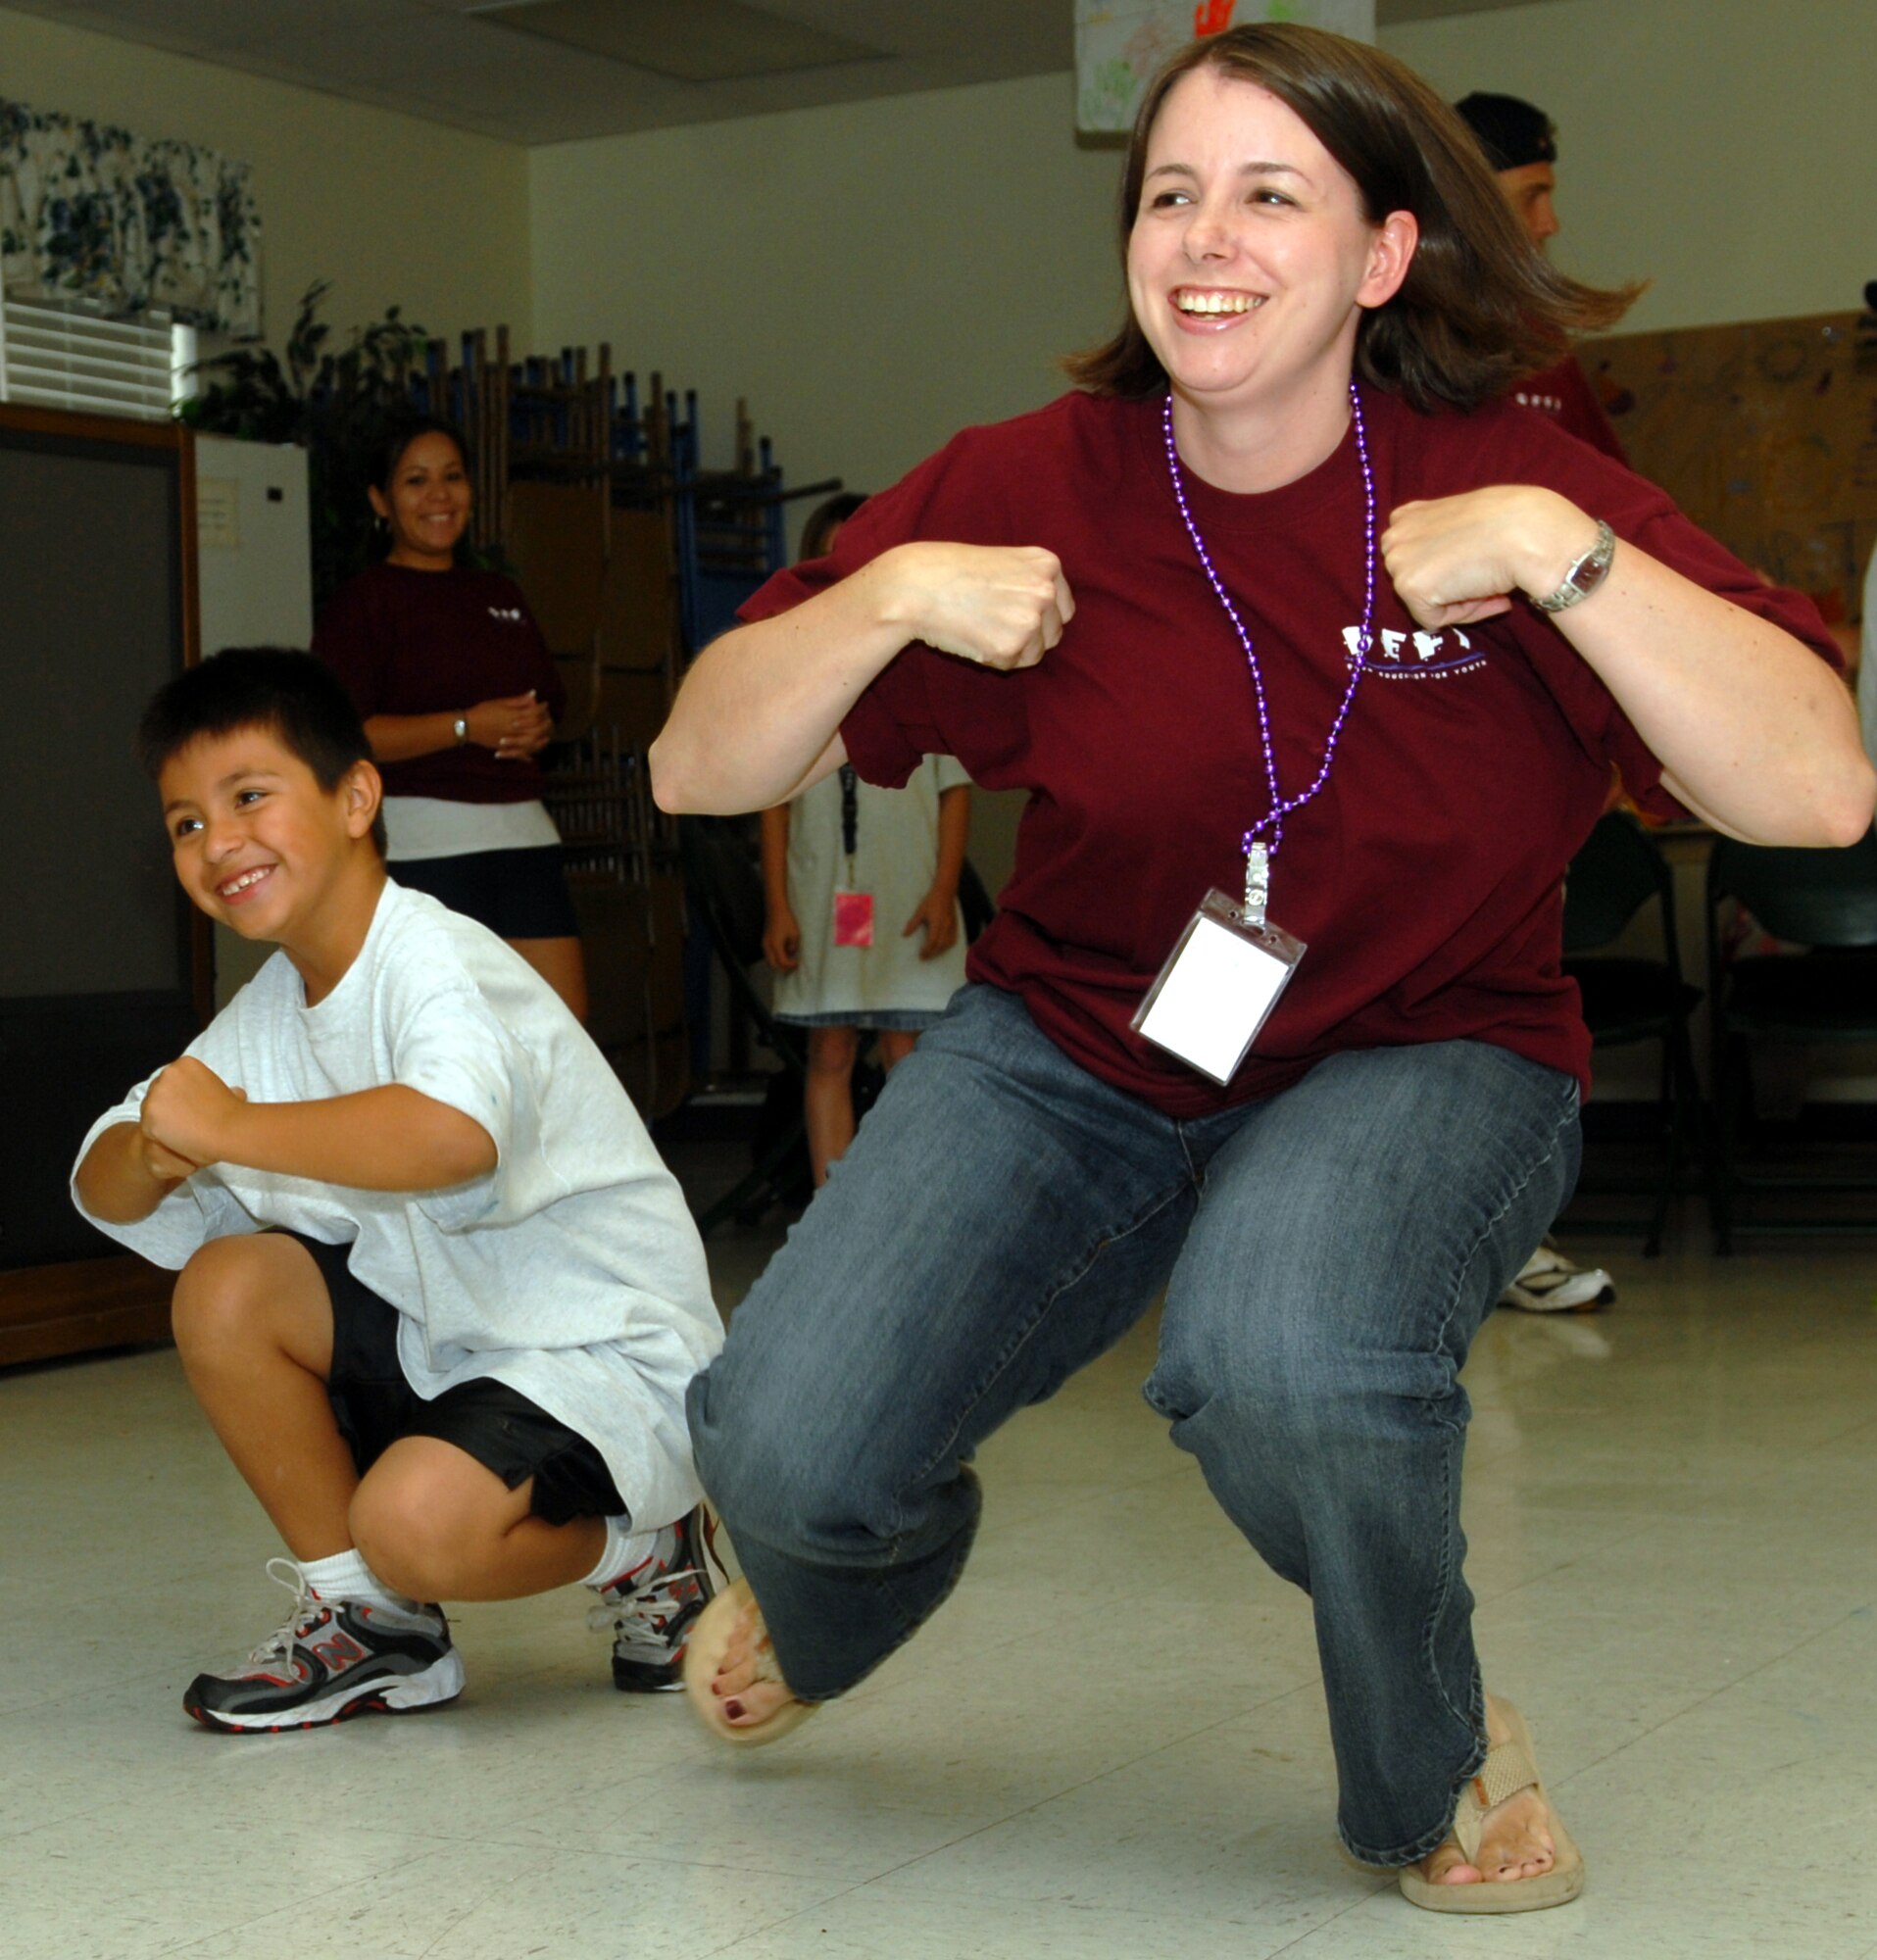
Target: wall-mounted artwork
(1120, 44)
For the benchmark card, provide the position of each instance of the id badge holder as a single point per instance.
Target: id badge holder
(1218, 985)
(853, 918)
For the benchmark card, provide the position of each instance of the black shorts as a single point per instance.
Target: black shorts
(374, 1406)
(516, 894)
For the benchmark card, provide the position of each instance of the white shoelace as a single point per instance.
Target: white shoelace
(642, 1611)
(278, 1645)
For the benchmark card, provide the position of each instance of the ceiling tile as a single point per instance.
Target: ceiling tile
(175, 36)
(197, 24)
(1020, 39)
(449, 61)
(684, 41)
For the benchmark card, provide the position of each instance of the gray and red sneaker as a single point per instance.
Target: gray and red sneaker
(333, 1660)
(650, 1610)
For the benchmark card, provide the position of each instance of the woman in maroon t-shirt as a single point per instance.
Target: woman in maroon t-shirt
(1150, 605)
(459, 696)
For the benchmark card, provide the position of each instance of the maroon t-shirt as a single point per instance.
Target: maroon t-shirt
(410, 642)
(1564, 393)
(1424, 877)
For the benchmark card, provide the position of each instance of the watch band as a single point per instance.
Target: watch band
(461, 728)
(1586, 574)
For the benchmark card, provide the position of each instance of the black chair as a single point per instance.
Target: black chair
(974, 902)
(1629, 999)
(1824, 899)
(728, 889)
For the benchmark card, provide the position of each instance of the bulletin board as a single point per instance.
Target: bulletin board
(1765, 433)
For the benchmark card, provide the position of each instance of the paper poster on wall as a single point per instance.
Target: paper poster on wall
(218, 513)
(1121, 43)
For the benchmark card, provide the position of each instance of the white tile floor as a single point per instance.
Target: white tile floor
(1109, 1742)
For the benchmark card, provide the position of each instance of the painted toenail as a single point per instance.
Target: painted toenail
(734, 1710)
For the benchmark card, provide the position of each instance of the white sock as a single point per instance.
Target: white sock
(346, 1576)
(624, 1549)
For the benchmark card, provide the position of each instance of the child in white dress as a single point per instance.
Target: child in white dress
(863, 926)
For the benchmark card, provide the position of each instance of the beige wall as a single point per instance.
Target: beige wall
(873, 276)
(1723, 149)
(392, 210)
(870, 277)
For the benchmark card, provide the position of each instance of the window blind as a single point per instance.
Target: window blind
(56, 357)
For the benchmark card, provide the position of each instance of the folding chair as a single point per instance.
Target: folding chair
(728, 889)
(1824, 899)
(1629, 999)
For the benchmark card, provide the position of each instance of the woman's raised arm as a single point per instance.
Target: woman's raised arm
(1755, 734)
(759, 715)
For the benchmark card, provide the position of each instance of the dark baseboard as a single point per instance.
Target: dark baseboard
(83, 1305)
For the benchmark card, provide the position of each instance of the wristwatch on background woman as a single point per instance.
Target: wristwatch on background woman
(461, 726)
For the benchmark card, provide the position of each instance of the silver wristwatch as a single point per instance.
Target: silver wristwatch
(461, 726)
(1586, 574)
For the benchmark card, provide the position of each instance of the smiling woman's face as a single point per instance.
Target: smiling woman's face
(426, 503)
(1250, 258)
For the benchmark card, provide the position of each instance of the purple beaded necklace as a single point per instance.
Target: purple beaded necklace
(1258, 853)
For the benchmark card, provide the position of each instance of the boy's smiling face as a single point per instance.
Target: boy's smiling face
(260, 846)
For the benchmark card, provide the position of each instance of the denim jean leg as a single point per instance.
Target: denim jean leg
(1352, 1234)
(1000, 1220)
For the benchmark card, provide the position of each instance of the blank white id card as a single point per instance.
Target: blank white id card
(1217, 987)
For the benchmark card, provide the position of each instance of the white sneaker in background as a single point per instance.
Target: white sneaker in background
(1550, 1283)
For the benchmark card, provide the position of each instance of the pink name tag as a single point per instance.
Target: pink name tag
(853, 918)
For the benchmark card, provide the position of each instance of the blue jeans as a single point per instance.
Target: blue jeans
(1003, 1218)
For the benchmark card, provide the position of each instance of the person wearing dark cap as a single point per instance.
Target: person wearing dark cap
(1521, 145)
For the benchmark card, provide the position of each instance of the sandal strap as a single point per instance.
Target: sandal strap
(764, 1664)
(1508, 1769)
(761, 1651)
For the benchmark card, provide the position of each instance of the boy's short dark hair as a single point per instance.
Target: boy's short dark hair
(291, 694)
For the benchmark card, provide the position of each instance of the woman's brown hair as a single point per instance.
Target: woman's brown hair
(1480, 306)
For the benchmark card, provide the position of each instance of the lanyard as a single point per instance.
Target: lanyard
(1259, 853)
(850, 814)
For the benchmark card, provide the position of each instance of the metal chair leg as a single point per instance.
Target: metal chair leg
(760, 1179)
(1726, 1113)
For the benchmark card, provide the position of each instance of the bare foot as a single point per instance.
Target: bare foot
(747, 1682)
(1516, 1841)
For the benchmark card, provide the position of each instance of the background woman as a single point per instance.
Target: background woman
(1285, 602)
(459, 696)
(899, 854)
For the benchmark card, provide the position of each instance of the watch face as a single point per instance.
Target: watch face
(1587, 574)
(1584, 575)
